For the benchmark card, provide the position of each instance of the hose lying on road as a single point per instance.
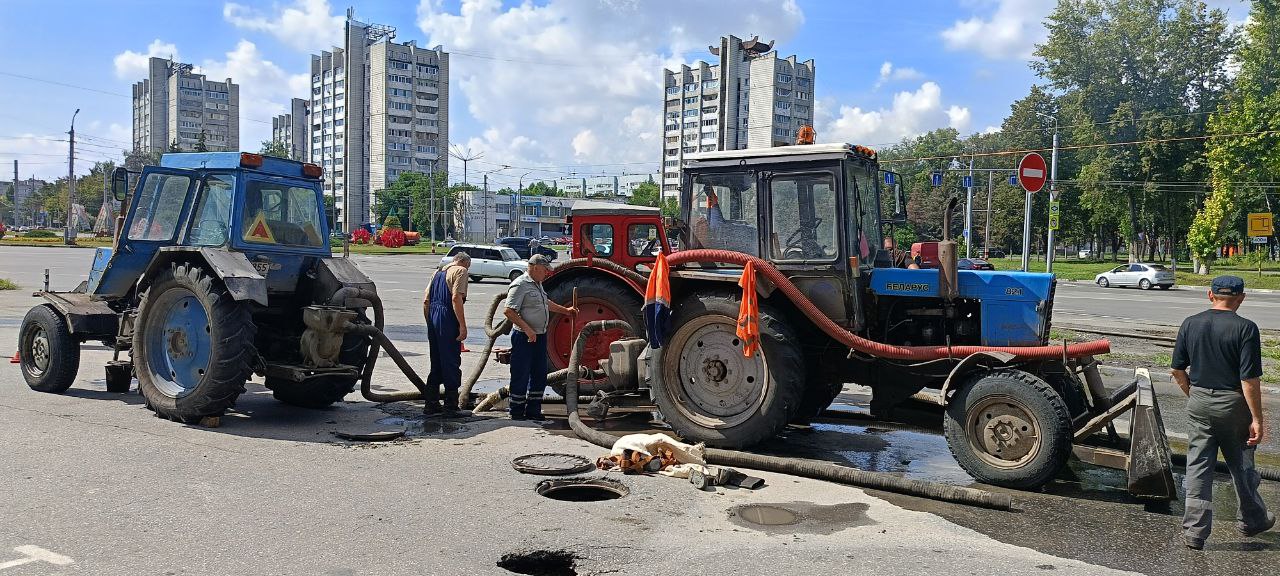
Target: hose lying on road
(815, 469)
(874, 348)
(1267, 473)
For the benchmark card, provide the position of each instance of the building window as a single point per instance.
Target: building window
(782, 132)
(691, 100)
(802, 82)
(802, 110)
(784, 92)
(784, 78)
(802, 95)
(399, 78)
(781, 119)
(710, 84)
(709, 122)
(782, 105)
(710, 109)
(690, 113)
(671, 163)
(691, 87)
(397, 65)
(428, 69)
(673, 89)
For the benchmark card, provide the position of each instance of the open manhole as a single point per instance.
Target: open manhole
(551, 464)
(582, 489)
(540, 563)
(765, 515)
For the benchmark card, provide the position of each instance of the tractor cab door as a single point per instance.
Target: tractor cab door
(862, 226)
(803, 235)
(155, 213)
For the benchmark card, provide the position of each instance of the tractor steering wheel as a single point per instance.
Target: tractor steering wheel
(798, 246)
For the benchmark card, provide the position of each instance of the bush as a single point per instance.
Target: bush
(6, 284)
(41, 234)
(360, 236)
(391, 237)
(391, 222)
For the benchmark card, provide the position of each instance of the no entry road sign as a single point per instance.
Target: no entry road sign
(1032, 173)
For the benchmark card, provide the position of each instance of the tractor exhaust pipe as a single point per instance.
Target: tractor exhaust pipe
(948, 280)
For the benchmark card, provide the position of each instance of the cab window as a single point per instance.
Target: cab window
(601, 238)
(159, 205)
(862, 197)
(276, 213)
(722, 213)
(211, 223)
(803, 210)
(642, 240)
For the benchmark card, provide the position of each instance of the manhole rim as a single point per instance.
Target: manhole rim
(583, 464)
(603, 483)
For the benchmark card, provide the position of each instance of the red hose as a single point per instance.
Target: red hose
(916, 353)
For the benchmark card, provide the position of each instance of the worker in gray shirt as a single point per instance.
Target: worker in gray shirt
(530, 310)
(1224, 409)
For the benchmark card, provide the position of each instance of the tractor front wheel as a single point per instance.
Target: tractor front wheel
(193, 347)
(708, 391)
(1009, 428)
(49, 356)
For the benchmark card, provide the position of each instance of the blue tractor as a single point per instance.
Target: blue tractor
(221, 268)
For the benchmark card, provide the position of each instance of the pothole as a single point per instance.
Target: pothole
(582, 489)
(766, 515)
(540, 563)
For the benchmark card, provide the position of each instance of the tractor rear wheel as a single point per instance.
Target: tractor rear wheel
(708, 391)
(193, 347)
(325, 390)
(49, 356)
(1009, 428)
(598, 299)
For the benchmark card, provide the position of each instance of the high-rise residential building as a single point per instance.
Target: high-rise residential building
(600, 186)
(175, 106)
(290, 129)
(750, 98)
(23, 215)
(378, 109)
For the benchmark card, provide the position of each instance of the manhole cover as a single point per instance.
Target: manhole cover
(540, 563)
(582, 489)
(551, 464)
(765, 515)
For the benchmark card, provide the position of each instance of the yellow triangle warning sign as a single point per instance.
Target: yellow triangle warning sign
(258, 231)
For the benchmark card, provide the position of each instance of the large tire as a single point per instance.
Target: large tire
(599, 298)
(709, 392)
(50, 357)
(193, 347)
(326, 390)
(1009, 428)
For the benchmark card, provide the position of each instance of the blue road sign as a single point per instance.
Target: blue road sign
(888, 177)
(937, 178)
(1013, 179)
(968, 181)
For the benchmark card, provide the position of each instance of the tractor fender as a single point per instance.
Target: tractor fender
(968, 365)
(573, 273)
(234, 269)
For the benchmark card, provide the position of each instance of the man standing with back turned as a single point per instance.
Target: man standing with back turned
(1224, 409)
(442, 305)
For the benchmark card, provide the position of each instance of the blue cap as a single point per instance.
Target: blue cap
(1227, 286)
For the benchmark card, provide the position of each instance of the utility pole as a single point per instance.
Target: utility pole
(1053, 192)
(518, 213)
(986, 230)
(15, 194)
(431, 209)
(68, 236)
(485, 208)
(968, 213)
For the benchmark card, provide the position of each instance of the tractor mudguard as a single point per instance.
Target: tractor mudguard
(968, 365)
(333, 274)
(239, 275)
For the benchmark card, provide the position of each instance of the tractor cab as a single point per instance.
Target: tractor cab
(814, 211)
(269, 209)
(627, 235)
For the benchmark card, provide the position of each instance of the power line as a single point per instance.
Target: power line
(1083, 146)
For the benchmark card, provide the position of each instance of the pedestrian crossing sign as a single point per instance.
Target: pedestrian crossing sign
(258, 230)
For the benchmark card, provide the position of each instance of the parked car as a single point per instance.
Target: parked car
(489, 261)
(1141, 274)
(974, 264)
(1085, 254)
(526, 247)
(445, 243)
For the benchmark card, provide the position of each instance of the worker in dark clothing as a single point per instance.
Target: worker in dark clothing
(1224, 409)
(530, 312)
(442, 305)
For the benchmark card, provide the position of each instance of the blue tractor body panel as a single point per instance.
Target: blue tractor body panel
(1015, 305)
(101, 257)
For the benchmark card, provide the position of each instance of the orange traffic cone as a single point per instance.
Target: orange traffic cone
(17, 358)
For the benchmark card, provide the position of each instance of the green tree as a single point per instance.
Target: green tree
(174, 147)
(1244, 154)
(540, 189)
(201, 146)
(134, 160)
(646, 194)
(275, 148)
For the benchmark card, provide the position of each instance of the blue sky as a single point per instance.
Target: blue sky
(553, 86)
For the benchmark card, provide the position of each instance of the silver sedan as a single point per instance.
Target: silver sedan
(1140, 274)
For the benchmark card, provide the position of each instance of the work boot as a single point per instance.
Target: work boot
(431, 402)
(451, 409)
(1251, 532)
(1193, 543)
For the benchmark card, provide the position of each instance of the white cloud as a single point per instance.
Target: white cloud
(264, 88)
(307, 25)
(132, 65)
(911, 114)
(888, 72)
(574, 81)
(1010, 32)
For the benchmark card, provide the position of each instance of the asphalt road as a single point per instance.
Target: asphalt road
(1082, 302)
(92, 479)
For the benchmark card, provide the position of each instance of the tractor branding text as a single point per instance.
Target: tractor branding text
(1013, 291)
(909, 287)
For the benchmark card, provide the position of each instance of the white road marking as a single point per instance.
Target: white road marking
(1032, 173)
(36, 554)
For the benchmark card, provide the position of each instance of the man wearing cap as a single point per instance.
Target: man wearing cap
(442, 305)
(530, 310)
(1224, 409)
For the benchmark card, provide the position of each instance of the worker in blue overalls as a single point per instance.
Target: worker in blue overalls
(442, 306)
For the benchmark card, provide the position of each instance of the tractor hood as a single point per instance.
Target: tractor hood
(1015, 305)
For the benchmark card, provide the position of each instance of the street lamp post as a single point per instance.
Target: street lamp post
(1053, 190)
(518, 213)
(68, 236)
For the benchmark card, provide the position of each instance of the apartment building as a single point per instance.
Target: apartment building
(749, 98)
(173, 106)
(290, 129)
(22, 214)
(601, 186)
(378, 109)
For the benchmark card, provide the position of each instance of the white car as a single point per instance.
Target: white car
(1140, 274)
(489, 261)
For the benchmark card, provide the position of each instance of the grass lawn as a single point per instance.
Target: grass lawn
(82, 242)
(6, 284)
(1085, 270)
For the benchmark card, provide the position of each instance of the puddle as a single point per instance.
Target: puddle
(423, 427)
(800, 517)
(914, 455)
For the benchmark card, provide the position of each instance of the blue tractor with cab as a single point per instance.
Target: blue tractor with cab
(221, 268)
